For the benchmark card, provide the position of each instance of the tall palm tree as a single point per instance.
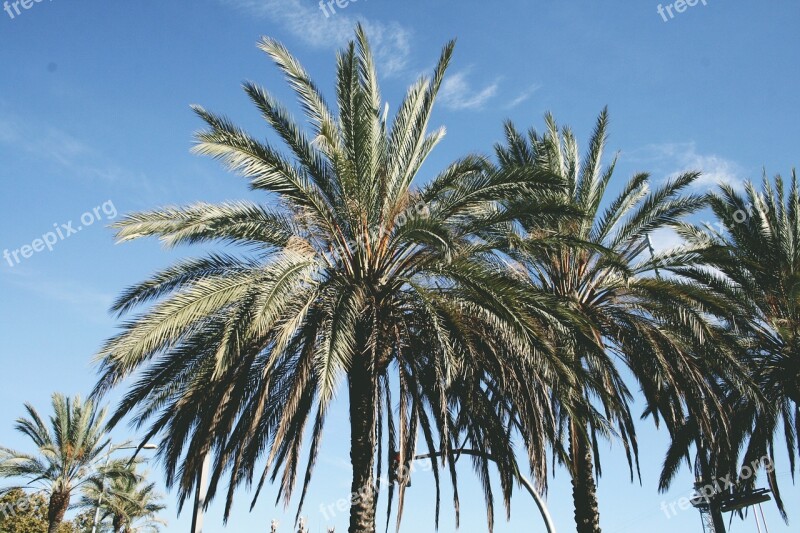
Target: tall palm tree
(351, 276)
(751, 256)
(66, 456)
(622, 313)
(129, 503)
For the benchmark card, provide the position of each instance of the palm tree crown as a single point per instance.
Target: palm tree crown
(619, 313)
(751, 258)
(128, 503)
(356, 276)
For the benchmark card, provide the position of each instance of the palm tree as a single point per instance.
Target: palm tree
(751, 257)
(622, 314)
(67, 453)
(130, 504)
(350, 276)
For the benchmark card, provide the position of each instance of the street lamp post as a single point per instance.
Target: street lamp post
(103, 479)
(540, 504)
(201, 492)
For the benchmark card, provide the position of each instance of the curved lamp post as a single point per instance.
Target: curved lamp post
(525, 482)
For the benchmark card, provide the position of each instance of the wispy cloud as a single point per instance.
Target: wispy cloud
(304, 20)
(457, 93)
(71, 156)
(523, 96)
(665, 239)
(78, 297)
(675, 158)
(8, 133)
(46, 142)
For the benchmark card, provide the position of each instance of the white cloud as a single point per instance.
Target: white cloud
(676, 158)
(79, 297)
(524, 96)
(457, 93)
(45, 142)
(391, 41)
(71, 156)
(8, 132)
(665, 239)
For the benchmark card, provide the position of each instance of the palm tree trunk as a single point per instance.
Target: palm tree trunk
(584, 490)
(706, 474)
(117, 524)
(57, 508)
(362, 445)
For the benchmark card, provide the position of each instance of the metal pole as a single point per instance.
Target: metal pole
(200, 495)
(103, 478)
(548, 521)
(713, 503)
(755, 515)
(763, 518)
(100, 499)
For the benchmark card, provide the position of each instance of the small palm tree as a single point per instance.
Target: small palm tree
(619, 312)
(359, 279)
(129, 503)
(66, 455)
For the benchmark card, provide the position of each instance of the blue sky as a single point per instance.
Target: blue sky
(94, 113)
